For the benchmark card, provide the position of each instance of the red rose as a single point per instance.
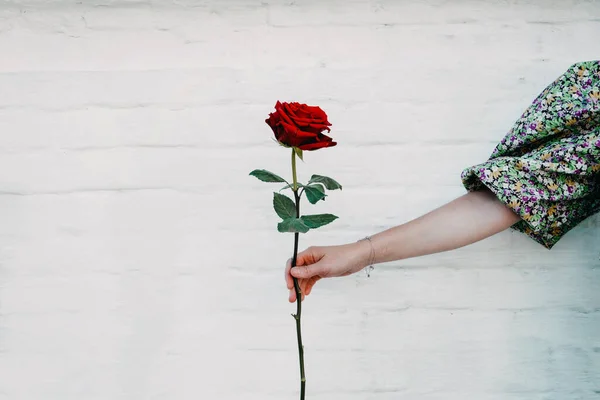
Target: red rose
(301, 126)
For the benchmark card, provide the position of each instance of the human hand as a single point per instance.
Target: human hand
(317, 262)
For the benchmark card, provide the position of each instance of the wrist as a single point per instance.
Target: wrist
(366, 252)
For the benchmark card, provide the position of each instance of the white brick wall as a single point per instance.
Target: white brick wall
(139, 261)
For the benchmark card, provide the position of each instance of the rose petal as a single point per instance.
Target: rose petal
(316, 146)
(301, 134)
(305, 111)
(289, 109)
(292, 136)
(317, 113)
(322, 141)
(284, 115)
(285, 137)
(273, 121)
(307, 121)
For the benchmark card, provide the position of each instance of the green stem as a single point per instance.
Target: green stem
(296, 285)
(295, 187)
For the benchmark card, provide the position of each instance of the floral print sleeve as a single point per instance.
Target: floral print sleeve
(547, 167)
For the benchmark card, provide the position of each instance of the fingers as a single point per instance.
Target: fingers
(289, 281)
(306, 286)
(306, 270)
(292, 297)
(302, 284)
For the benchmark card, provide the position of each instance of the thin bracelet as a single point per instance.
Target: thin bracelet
(369, 266)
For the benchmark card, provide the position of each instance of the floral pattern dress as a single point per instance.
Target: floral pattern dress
(547, 167)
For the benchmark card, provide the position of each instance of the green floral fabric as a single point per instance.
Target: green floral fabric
(547, 167)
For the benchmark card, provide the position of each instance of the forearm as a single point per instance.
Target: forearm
(468, 219)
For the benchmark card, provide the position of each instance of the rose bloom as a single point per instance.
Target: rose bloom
(299, 125)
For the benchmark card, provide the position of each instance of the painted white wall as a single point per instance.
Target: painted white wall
(138, 260)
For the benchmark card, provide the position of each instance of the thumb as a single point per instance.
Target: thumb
(307, 271)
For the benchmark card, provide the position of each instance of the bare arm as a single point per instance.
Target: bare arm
(468, 219)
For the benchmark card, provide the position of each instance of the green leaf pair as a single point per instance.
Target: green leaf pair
(286, 209)
(305, 223)
(268, 176)
(291, 185)
(314, 192)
